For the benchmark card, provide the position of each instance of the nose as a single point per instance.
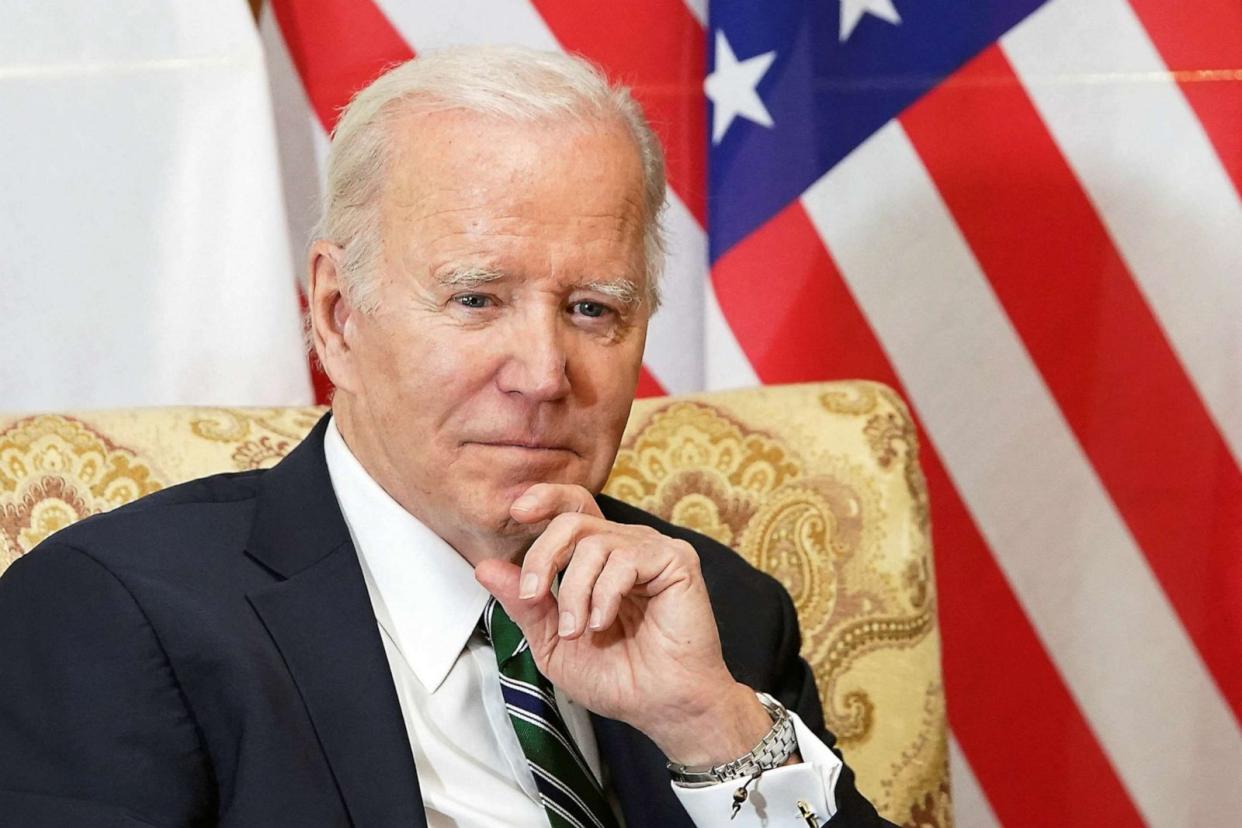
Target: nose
(536, 362)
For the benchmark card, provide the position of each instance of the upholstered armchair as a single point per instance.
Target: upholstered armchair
(817, 484)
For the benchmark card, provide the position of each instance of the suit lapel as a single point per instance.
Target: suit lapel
(319, 615)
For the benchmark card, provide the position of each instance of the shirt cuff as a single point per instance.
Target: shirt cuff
(772, 799)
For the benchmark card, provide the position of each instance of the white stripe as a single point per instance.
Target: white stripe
(427, 26)
(1053, 529)
(970, 806)
(698, 8)
(302, 141)
(676, 335)
(565, 789)
(725, 363)
(674, 354)
(553, 806)
(529, 689)
(542, 723)
(1151, 171)
(539, 721)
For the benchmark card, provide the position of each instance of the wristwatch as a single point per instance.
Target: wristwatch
(772, 751)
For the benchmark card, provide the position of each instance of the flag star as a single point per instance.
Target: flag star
(853, 10)
(731, 87)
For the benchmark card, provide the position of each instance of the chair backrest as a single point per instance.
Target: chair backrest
(817, 484)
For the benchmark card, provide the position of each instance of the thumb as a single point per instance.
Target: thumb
(537, 618)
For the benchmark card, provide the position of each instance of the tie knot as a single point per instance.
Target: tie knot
(502, 632)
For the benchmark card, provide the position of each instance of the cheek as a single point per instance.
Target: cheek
(438, 378)
(612, 378)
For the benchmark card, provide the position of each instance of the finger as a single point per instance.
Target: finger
(552, 550)
(547, 500)
(645, 565)
(618, 578)
(537, 619)
(578, 582)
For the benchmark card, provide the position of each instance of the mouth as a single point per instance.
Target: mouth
(536, 446)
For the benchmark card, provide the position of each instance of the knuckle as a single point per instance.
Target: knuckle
(623, 557)
(591, 546)
(566, 522)
(608, 586)
(687, 552)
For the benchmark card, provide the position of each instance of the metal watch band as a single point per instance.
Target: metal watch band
(772, 751)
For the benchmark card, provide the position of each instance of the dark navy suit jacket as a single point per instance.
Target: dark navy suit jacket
(208, 655)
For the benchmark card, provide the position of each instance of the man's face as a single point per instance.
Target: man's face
(500, 355)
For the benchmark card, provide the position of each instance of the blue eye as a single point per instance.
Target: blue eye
(594, 310)
(472, 300)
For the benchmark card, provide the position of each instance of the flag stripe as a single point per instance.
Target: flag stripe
(1103, 355)
(675, 335)
(791, 334)
(1204, 35)
(969, 797)
(333, 67)
(647, 385)
(1178, 223)
(698, 10)
(1016, 683)
(429, 26)
(725, 364)
(997, 670)
(1077, 571)
(656, 47)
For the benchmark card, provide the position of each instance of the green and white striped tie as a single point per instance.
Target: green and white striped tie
(569, 791)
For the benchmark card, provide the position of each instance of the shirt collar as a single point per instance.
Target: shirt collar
(426, 590)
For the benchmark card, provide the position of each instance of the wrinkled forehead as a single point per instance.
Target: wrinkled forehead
(590, 165)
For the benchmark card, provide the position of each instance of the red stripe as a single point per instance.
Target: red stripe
(790, 334)
(338, 47)
(1096, 344)
(648, 386)
(656, 47)
(1027, 742)
(1198, 36)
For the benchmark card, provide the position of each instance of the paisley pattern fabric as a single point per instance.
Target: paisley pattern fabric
(816, 484)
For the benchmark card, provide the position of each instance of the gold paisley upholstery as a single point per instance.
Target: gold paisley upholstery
(817, 484)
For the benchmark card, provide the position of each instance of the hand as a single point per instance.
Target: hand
(631, 634)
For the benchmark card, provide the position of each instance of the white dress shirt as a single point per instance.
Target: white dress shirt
(471, 769)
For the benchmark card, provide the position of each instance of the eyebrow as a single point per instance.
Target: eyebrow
(467, 277)
(623, 290)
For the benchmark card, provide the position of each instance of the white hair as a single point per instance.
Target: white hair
(507, 82)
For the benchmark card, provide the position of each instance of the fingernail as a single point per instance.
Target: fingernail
(567, 623)
(524, 503)
(597, 618)
(530, 583)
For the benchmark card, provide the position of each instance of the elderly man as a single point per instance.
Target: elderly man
(426, 615)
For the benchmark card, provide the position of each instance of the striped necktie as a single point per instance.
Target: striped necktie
(569, 792)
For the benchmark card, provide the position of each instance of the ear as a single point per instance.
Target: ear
(331, 326)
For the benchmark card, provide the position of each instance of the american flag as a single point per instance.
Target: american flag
(1026, 216)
